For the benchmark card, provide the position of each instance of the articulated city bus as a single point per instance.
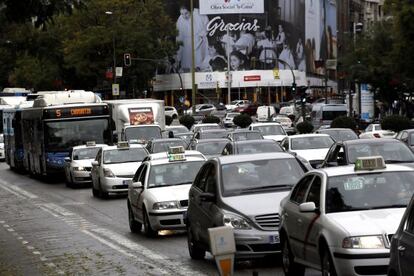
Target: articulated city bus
(12, 131)
(58, 122)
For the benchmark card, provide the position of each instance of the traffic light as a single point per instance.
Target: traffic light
(127, 60)
(293, 89)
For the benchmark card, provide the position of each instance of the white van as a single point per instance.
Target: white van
(324, 114)
(287, 110)
(265, 113)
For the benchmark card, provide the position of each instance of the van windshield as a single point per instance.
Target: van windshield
(330, 115)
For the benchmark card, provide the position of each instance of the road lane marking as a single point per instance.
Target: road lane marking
(17, 191)
(108, 237)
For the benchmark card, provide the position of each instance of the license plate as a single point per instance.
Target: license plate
(274, 239)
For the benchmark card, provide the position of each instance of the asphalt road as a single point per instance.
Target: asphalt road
(49, 229)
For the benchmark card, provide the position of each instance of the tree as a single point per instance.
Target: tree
(242, 120)
(304, 127)
(395, 123)
(344, 122)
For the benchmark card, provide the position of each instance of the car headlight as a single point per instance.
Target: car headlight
(79, 169)
(165, 205)
(236, 222)
(108, 173)
(364, 242)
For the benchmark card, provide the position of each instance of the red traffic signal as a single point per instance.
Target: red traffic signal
(127, 60)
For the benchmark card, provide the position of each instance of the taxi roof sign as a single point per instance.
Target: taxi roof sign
(90, 143)
(123, 145)
(370, 163)
(176, 150)
(176, 154)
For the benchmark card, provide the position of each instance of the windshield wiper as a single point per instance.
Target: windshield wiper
(281, 187)
(389, 206)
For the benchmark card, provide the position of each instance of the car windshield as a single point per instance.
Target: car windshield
(143, 133)
(172, 174)
(243, 136)
(165, 145)
(331, 115)
(232, 115)
(258, 147)
(259, 176)
(62, 135)
(315, 142)
(271, 130)
(341, 135)
(369, 191)
(211, 148)
(214, 134)
(391, 152)
(117, 156)
(85, 153)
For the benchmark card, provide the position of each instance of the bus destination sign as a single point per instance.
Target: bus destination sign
(75, 112)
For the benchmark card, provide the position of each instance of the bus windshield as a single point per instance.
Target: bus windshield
(62, 135)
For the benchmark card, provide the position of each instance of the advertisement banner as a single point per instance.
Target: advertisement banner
(288, 34)
(231, 6)
(367, 103)
(141, 116)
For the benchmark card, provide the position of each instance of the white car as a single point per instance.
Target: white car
(234, 104)
(78, 165)
(114, 166)
(158, 193)
(203, 126)
(287, 110)
(312, 147)
(2, 155)
(228, 119)
(340, 220)
(171, 111)
(273, 131)
(375, 131)
(201, 109)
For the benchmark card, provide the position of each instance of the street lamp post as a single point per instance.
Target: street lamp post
(193, 85)
(110, 13)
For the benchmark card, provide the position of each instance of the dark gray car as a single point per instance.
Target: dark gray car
(243, 192)
(402, 245)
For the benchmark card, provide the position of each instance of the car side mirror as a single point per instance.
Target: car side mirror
(207, 197)
(137, 185)
(67, 159)
(308, 207)
(95, 163)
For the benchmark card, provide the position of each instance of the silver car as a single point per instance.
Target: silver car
(78, 165)
(243, 192)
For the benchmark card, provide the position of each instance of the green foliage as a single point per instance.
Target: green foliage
(187, 121)
(304, 127)
(211, 120)
(242, 120)
(168, 120)
(395, 123)
(344, 122)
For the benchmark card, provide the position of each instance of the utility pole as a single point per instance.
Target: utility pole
(228, 69)
(110, 13)
(193, 84)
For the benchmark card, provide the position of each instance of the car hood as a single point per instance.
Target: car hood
(170, 193)
(276, 138)
(255, 204)
(370, 222)
(82, 163)
(312, 154)
(123, 168)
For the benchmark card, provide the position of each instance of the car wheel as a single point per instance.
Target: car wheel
(327, 265)
(102, 194)
(95, 192)
(134, 225)
(149, 232)
(196, 252)
(290, 267)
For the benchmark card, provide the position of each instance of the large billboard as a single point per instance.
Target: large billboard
(298, 32)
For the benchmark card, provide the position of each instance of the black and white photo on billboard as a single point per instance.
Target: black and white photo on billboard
(288, 30)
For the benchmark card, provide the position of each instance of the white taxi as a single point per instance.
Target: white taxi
(114, 166)
(78, 164)
(340, 220)
(158, 193)
(273, 131)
